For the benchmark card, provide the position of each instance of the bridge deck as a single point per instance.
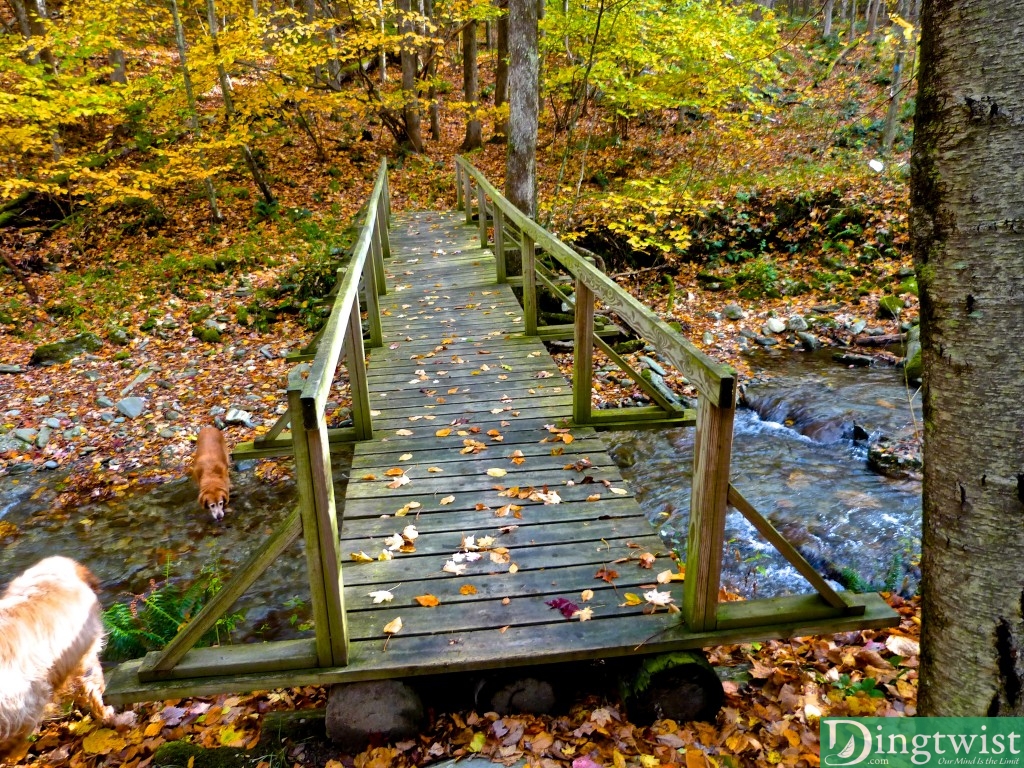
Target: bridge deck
(464, 405)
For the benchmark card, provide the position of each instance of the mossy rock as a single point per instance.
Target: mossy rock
(205, 333)
(681, 686)
(66, 349)
(909, 286)
(178, 754)
(118, 335)
(200, 313)
(890, 307)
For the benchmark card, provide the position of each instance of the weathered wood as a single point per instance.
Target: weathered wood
(714, 380)
(381, 227)
(158, 663)
(560, 641)
(787, 550)
(460, 199)
(706, 538)
(501, 272)
(481, 206)
(359, 389)
(583, 355)
(529, 285)
(370, 298)
(666, 405)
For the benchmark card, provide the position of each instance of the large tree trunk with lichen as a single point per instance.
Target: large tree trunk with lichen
(524, 103)
(968, 228)
(409, 57)
(501, 69)
(471, 88)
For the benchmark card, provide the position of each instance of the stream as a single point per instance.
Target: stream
(794, 458)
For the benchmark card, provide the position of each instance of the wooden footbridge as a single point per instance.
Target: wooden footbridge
(480, 492)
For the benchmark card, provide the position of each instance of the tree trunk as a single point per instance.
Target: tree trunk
(524, 103)
(229, 104)
(826, 27)
(382, 55)
(471, 88)
(21, 13)
(434, 106)
(190, 97)
(895, 100)
(968, 204)
(411, 109)
(118, 74)
(853, 22)
(501, 68)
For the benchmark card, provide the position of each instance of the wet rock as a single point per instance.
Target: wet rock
(913, 368)
(41, 400)
(43, 438)
(773, 325)
(132, 407)
(51, 464)
(26, 434)
(747, 333)
(119, 336)
(21, 468)
(846, 358)
(891, 459)
(238, 416)
(796, 323)
(52, 422)
(8, 442)
(268, 352)
(766, 341)
(384, 710)
(734, 312)
(66, 349)
(104, 402)
(9, 368)
(825, 309)
(525, 696)
(91, 375)
(857, 326)
(808, 340)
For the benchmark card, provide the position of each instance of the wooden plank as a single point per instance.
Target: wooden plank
(385, 242)
(583, 355)
(704, 544)
(470, 651)
(500, 264)
(370, 298)
(787, 550)
(481, 207)
(157, 664)
(639, 414)
(666, 405)
(460, 200)
(359, 389)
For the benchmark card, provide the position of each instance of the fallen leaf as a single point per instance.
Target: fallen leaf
(382, 596)
(446, 501)
(594, 497)
(606, 574)
(467, 589)
(398, 482)
(405, 457)
(586, 595)
(427, 601)
(403, 432)
(513, 569)
(394, 626)
(361, 557)
(456, 568)
(443, 432)
(619, 491)
(656, 598)
(584, 614)
(646, 560)
(632, 599)
(102, 742)
(434, 470)
(664, 577)
(497, 472)
(368, 477)
(395, 472)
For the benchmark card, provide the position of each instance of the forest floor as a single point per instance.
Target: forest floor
(789, 219)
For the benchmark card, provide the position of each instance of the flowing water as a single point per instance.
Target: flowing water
(796, 462)
(795, 458)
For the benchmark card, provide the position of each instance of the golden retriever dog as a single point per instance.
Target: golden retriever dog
(210, 470)
(51, 635)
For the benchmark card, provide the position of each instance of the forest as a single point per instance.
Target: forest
(181, 180)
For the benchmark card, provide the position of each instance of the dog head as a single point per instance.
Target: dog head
(216, 502)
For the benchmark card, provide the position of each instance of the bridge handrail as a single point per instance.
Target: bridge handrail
(363, 264)
(714, 380)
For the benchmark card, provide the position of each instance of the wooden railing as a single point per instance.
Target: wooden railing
(711, 493)
(315, 517)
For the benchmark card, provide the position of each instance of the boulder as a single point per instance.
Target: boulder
(131, 407)
(808, 340)
(66, 349)
(890, 307)
(796, 323)
(381, 710)
(774, 325)
(733, 312)
(913, 368)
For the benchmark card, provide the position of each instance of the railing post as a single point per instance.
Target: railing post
(310, 528)
(355, 360)
(529, 283)
(583, 354)
(712, 452)
(385, 238)
(499, 245)
(467, 196)
(459, 198)
(481, 206)
(387, 195)
(373, 274)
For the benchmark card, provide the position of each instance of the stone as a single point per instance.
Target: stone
(652, 365)
(171, 415)
(52, 422)
(913, 368)
(267, 351)
(107, 416)
(808, 340)
(747, 333)
(26, 434)
(734, 312)
(136, 381)
(857, 326)
(104, 402)
(51, 464)
(131, 407)
(708, 338)
(41, 400)
(167, 433)
(774, 325)
(238, 416)
(796, 323)
(91, 375)
(766, 341)
(378, 710)
(43, 438)
(71, 434)
(21, 468)
(524, 696)
(857, 361)
(119, 336)
(9, 368)
(824, 309)
(64, 350)
(890, 307)
(8, 442)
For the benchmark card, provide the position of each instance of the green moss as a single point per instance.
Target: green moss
(204, 333)
(179, 754)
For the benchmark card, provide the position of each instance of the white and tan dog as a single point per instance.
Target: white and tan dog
(51, 635)
(210, 471)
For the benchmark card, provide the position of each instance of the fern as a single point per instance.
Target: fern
(149, 621)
